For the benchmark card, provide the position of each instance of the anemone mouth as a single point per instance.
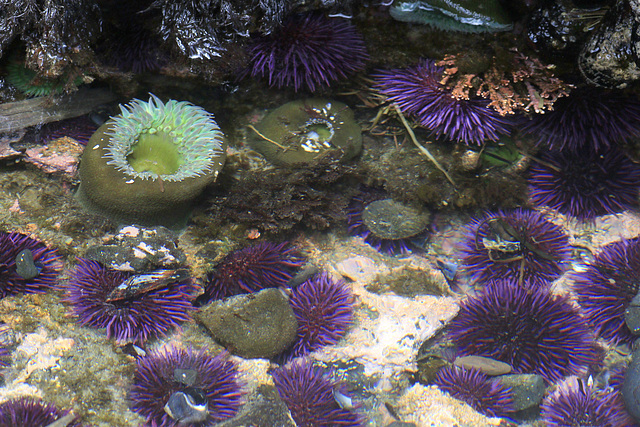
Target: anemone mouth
(189, 140)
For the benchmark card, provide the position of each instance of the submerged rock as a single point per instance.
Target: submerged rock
(610, 57)
(259, 325)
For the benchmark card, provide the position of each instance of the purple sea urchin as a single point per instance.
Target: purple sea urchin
(520, 245)
(79, 128)
(606, 287)
(30, 412)
(385, 224)
(148, 163)
(309, 395)
(417, 92)
(263, 265)
(576, 404)
(487, 396)
(324, 312)
(308, 51)
(135, 318)
(585, 185)
(589, 118)
(530, 329)
(158, 377)
(26, 265)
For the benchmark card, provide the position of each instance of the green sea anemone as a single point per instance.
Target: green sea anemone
(469, 16)
(147, 164)
(298, 132)
(32, 84)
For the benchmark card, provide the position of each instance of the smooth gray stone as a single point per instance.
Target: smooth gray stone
(527, 389)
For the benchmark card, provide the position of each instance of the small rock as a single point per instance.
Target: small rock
(259, 325)
(632, 315)
(265, 408)
(484, 364)
(428, 366)
(527, 389)
(139, 249)
(410, 282)
(359, 269)
(59, 156)
(630, 389)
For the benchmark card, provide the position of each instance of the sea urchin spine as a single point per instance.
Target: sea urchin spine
(133, 318)
(418, 92)
(530, 329)
(262, 265)
(163, 373)
(309, 395)
(487, 396)
(308, 51)
(26, 265)
(323, 309)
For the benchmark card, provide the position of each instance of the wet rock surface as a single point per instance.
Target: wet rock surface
(264, 408)
(610, 57)
(139, 249)
(632, 315)
(527, 389)
(259, 325)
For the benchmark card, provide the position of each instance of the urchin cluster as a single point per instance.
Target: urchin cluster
(529, 328)
(192, 130)
(309, 51)
(606, 286)
(31, 412)
(133, 318)
(487, 396)
(588, 119)
(309, 395)
(585, 185)
(577, 403)
(521, 245)
(262, 265)
(324, 311)
(26, 265)
(418, 92)
(155, 381)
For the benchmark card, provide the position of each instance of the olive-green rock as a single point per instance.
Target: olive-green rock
(259, 325)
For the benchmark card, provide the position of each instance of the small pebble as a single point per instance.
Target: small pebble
(25, 266)
(483, 364)
(630, 389)
(527, 390)
(632, 315)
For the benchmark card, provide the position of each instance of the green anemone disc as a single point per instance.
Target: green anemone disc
(156, 153)
(471, 16)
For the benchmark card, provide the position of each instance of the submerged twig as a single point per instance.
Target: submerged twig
(420, 147)
(266, 138)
